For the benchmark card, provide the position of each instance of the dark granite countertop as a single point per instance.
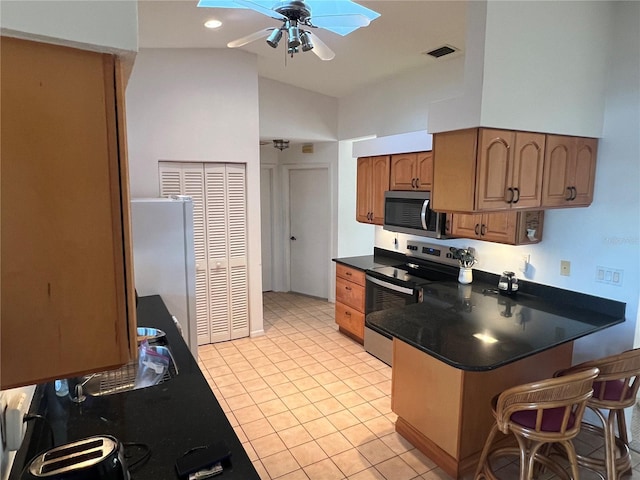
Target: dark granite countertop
(380, 258)
(171, 418)
(444, 325)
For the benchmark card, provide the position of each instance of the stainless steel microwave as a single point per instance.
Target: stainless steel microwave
(409, 212)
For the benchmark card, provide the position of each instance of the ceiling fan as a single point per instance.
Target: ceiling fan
(297, 22)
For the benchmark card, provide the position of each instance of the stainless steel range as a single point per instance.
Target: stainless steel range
(403, 284)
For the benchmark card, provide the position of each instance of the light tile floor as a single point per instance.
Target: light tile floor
(309, 403)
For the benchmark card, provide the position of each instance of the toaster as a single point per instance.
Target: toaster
(98, 457)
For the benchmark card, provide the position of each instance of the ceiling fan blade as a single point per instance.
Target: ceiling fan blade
(350, 20)
(320, 48)
(240, 42)
(260, 9)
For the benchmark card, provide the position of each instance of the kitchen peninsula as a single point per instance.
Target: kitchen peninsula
(466, 343)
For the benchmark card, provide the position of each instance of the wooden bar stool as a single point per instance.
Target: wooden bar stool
(539, 413)
(614, 389)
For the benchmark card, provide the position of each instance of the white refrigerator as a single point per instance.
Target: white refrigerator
(164, 258)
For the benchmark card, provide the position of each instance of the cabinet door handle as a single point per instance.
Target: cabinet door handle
(570, 194)
(477, 229)
(347, 314)
(418, 182)
(517, 190)
(348, 274)
(413, 183)
(512, 195)
(347, 288)
(574, 194)
(483, 230)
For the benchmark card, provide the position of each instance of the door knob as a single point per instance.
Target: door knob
(292, 238)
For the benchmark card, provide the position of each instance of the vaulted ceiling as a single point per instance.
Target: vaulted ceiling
(391, 44)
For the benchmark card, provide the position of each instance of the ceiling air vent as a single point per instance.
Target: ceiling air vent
(441, 51)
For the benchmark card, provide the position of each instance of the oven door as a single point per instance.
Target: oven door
(383, 295)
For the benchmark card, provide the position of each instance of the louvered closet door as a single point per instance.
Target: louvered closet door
(217, 246)
(220, 241)
(188, 179)
(237, 234)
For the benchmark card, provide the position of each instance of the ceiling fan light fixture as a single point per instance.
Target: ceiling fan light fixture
(307, 44)
(280, 143)
(294, 35)
(274, 38)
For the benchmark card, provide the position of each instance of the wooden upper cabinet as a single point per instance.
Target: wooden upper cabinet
(372, 182)
(510, 168)
(363, 190)
(512, 227)
(425, 170)
(68, 304)
(411, 171)
(481, 169)
(380, 181)
(493, 227)
(569, 171)
(454, 170)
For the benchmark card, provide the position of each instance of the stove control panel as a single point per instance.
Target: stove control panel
(431, 251)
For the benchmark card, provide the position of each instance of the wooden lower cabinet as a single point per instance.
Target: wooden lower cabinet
(445, 412)
(513, 228)
(350, 301)
(68, 303)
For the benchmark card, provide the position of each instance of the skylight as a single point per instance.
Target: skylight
(318, 7)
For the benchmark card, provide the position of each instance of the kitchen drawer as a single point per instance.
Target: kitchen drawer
(349, 293)
(350, 274)
(350, 320)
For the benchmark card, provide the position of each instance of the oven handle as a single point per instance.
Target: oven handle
(390, 286)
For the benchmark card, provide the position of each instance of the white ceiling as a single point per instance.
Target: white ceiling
(391, 44)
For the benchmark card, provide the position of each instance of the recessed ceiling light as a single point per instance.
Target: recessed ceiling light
(213, 23)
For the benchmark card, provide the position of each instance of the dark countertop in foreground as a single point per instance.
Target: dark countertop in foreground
(170, 418)
(444, 325)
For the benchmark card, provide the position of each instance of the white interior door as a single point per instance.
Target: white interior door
(309, 231)
(266, 195)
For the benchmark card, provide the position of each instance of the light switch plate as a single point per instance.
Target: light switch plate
(565, 268)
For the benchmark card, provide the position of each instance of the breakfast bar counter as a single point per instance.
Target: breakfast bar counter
(464, 344)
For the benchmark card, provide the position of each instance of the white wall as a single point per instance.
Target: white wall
(354, 238)
(110, 26)
(531, 65)
(399, 104)
(296, 114)
(198, 105)
(545, 66)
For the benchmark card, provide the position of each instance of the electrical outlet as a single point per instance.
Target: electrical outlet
(565, 268)
(608, 275)
(524, 264)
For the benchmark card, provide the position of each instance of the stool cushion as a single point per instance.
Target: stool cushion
(612, 390)
(551, 419)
